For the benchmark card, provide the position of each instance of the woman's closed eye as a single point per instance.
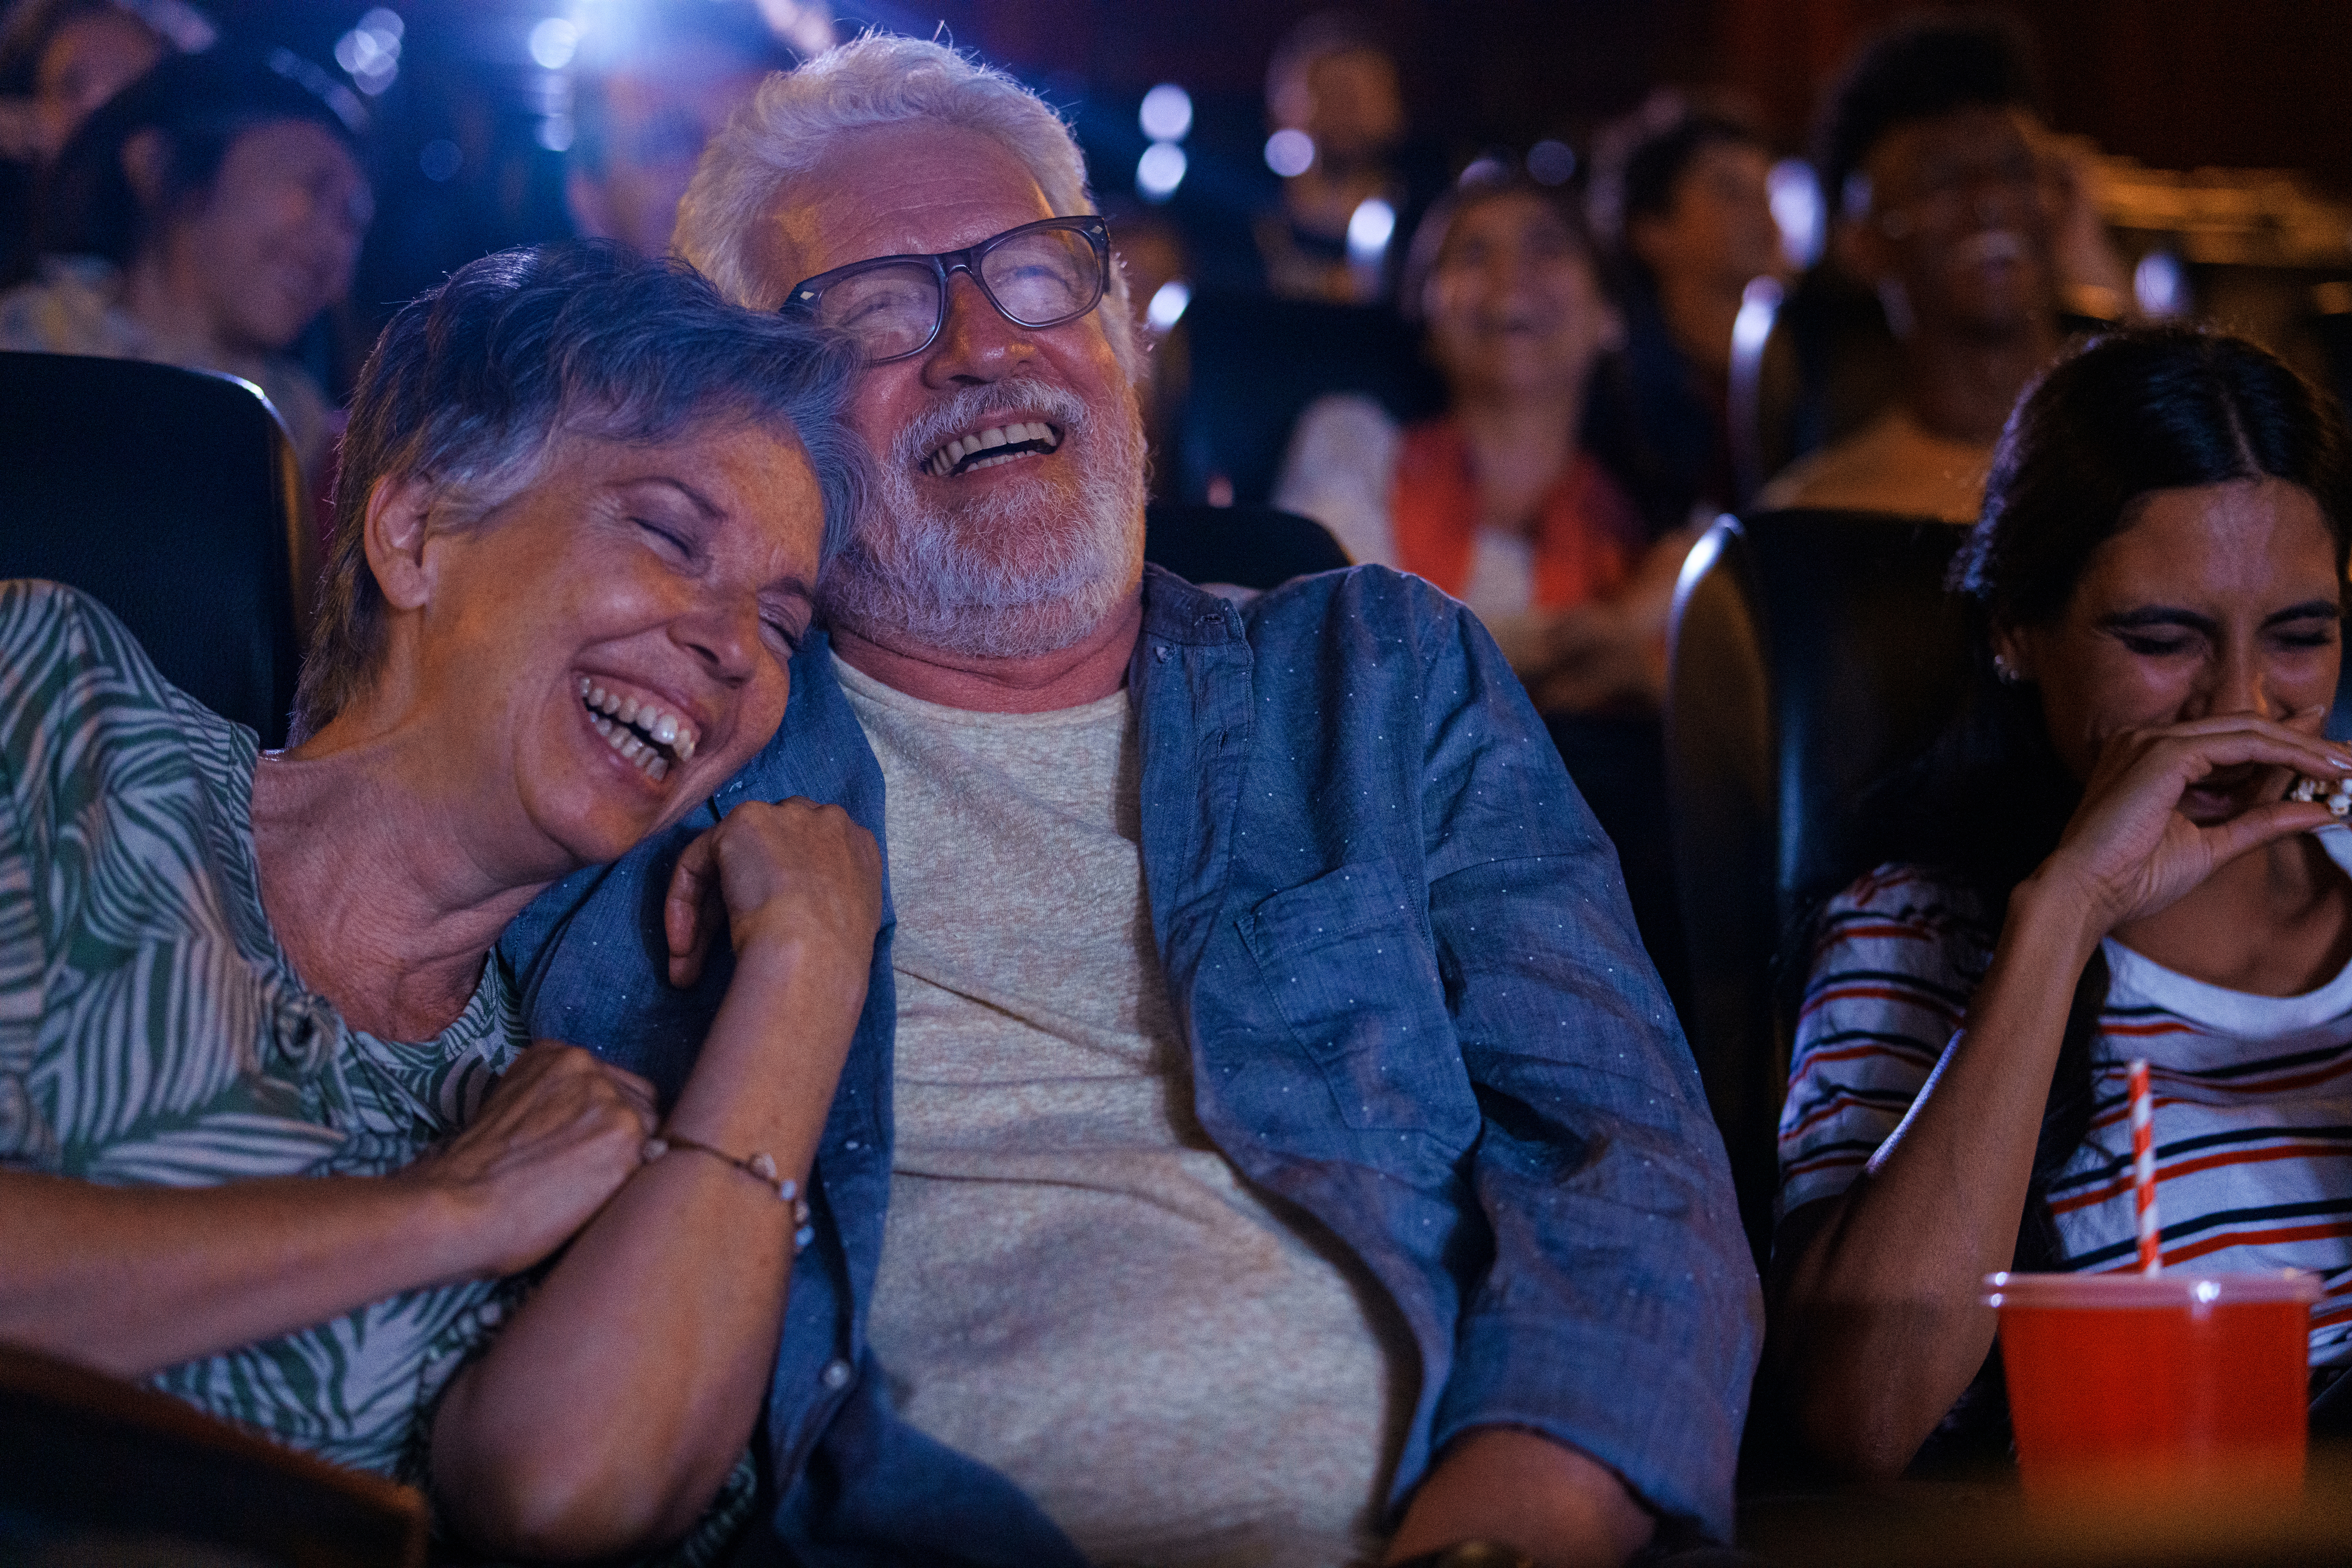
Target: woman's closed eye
(2158, 646)
(2308, 634)
(671, 538)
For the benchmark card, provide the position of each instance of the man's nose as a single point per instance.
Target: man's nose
(976, 342)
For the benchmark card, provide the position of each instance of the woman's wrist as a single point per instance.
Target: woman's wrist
(451, 1226)
(2052, 909)
(773, 1055)
(787, 948)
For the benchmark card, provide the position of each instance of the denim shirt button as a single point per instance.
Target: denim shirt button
(835, 1374)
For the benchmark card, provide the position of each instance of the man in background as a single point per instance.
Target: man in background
(1945, 206)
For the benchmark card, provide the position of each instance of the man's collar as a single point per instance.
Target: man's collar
(1176, 611)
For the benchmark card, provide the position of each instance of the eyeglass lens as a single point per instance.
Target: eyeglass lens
(1040, 278)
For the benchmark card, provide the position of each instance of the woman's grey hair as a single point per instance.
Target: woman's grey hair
(476, 386)
(878, 78)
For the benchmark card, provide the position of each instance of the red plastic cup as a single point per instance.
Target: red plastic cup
(2156, 1391)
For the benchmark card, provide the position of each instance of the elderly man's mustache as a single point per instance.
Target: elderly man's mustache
(972, 408)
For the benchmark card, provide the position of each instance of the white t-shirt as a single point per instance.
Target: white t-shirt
(1076, 1288)
(2253, 1093)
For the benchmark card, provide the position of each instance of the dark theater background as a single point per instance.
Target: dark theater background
(470, 123)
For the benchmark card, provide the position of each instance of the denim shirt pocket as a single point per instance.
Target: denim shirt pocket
(1348, 960)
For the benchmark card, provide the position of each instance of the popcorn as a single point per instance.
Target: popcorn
(2337, 797)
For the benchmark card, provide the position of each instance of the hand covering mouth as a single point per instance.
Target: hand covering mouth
(650, 737)
(993, 445)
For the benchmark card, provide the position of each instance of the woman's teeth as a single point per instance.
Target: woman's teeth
(644, 733)
(1028, 435)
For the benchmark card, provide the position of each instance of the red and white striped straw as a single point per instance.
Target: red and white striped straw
(2143, 1131)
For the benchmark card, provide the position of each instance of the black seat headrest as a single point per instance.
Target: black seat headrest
(171, 497)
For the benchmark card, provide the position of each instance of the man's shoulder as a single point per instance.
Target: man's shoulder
(1366, 597)
(1374, 597)
(1890, 464)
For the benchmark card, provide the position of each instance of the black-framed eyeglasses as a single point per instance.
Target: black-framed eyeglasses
(1039, 275)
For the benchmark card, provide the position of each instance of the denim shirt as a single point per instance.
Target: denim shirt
(1400, 949)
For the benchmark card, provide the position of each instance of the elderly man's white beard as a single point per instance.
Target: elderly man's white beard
(1020, 569)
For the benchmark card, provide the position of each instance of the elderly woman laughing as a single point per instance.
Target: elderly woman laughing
(270, 1135)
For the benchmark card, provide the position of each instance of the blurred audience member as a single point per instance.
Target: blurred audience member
(655, 83)
(1500, 503)
(1680, 189)
(204, 217)
(59, 59)
(1497, 502)
(1333, 81)
(1945, 208)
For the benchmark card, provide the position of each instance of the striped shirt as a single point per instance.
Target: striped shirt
(2253, 1093)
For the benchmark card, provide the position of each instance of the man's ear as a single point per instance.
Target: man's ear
(146, 158)
(394, 533)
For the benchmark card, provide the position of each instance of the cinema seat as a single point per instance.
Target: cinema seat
(1809, 653)
(173, 498)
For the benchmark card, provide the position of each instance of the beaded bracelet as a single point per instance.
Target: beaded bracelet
(760, 1166)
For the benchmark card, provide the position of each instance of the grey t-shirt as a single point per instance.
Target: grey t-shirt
(1076, 1288)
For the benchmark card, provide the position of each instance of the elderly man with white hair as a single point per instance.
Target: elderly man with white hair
(1266, 1141)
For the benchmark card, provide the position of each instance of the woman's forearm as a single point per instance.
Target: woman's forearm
(133, 1279)
(609, 1411)
(1883, 1325)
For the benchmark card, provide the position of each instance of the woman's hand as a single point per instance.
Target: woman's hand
(560, 1132)
(2129, 850)
(553, 1444)
(790, 871)
(134, 1279)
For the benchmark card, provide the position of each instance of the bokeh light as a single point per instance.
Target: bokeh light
(554, 42)
(1795, 192)
(1551, 162)
(1159, 170)
(1167, 112)
(1370, 228)
(1167, 307)
(1289, 152)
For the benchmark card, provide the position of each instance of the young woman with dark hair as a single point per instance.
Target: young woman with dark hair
(2096, 862)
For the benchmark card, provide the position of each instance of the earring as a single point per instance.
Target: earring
(2006, 673)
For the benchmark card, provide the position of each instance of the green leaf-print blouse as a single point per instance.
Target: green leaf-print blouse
(152, 1033)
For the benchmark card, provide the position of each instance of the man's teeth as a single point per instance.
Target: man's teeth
(643, 732)
(942, 463)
